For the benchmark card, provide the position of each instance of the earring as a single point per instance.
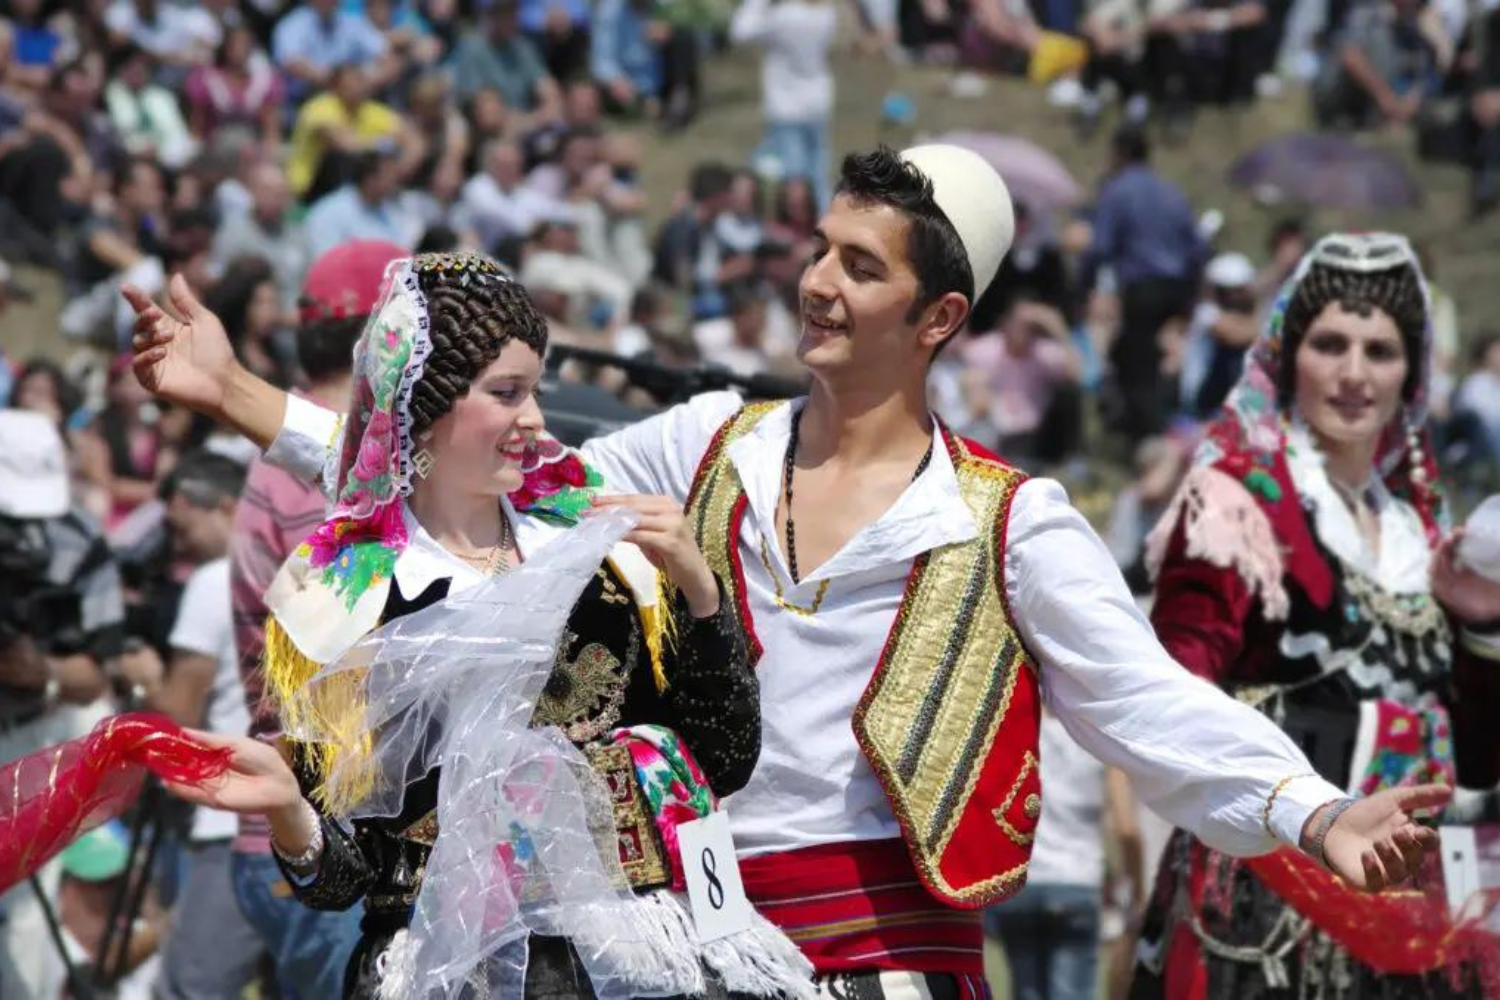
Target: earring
(1414, 452)
(422, 463)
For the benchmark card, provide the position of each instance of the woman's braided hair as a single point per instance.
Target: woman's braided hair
(1396, 291)
(474, 310)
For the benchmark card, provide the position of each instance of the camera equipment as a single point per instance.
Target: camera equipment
(30, 603)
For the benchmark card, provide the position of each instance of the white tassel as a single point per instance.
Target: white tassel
(395, 967)
(759, 961)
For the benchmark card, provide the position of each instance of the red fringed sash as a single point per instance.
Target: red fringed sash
(49, 797)
(1404, 931)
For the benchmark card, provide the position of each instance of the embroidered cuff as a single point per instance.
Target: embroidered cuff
(1295, 802)
(307, 437)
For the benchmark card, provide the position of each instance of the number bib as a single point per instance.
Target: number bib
(713, 878)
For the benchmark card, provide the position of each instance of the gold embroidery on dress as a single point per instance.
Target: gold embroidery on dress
(423, 831)
(583, 696)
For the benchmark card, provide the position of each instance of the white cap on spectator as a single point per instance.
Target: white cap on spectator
(1230, 270)
(33, 466)
(976, 202)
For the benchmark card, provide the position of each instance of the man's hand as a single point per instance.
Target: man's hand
(182, 352)
(662, 534)
(1375, 843)
(1468, 596)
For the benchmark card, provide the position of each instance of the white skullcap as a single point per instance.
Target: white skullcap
(975, 201)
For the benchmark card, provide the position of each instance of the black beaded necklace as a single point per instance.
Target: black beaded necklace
(790, 466)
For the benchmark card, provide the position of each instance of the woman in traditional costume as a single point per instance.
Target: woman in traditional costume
(403, 644)
(1303, 567)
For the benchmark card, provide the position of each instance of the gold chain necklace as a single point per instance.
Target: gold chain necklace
(497, 560)
(781, 601)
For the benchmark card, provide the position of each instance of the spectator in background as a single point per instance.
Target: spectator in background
(1388, 60)
(39, 44)
(48, 161)
(738, 342)
(1034, 266)
(608, 204)
(366, 208)
(1478, 396)
(1223, 325)
(317, 37)
(1144, 231)
(246, 300)
(266, 231)
(42, 387)
(1159, 464)
(445, 134)
(120, 453)
(688, 255)
(560, 30)
(1205, 53)
(1285, 247)
(276, 512)
(1032, 371)
(211, 951)
(1480, 69)
(796, 84)
(1050, 929)
(239, 88)
(496, 56)
(144, 114)
(131, 227)
(181, 36)
(998, 36)
(625, 57)
(336, 126)
(499, 203)
(596, 296)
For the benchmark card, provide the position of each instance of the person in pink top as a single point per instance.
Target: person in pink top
(1030, 371)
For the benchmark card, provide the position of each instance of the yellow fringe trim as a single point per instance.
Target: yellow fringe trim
(660, 628)
(335, 709)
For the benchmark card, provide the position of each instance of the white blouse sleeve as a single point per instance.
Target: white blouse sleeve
(308, 441)
(1194, 755)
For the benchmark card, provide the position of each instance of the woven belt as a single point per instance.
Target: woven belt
(641, 852)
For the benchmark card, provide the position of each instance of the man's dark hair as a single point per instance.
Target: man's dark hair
(933, 248)
(325, 347)
(205, 478)
(1130, 145)
(709, 180)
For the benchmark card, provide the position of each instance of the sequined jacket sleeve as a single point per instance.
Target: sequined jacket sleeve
(343, 876)
(712, 698)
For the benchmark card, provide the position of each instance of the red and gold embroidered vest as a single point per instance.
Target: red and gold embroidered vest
(949, 721)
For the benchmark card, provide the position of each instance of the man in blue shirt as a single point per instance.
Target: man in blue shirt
(1146, 234)
(316, 38)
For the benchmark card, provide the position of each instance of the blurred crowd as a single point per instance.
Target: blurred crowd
(238, 141)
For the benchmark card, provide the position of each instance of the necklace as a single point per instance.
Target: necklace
(497, 559)
(788, 470)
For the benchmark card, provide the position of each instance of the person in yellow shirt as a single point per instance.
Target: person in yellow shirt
(335, 125)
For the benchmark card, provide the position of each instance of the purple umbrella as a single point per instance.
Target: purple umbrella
(1033, 175)
(1327, 171)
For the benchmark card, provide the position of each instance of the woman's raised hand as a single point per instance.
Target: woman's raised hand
(182, 353)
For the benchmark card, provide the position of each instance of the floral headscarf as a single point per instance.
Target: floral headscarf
(333, 588)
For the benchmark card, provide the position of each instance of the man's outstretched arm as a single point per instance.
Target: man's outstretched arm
(1196, 756)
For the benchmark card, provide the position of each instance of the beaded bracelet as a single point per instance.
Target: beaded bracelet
(1265, 814)
(308, 859)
